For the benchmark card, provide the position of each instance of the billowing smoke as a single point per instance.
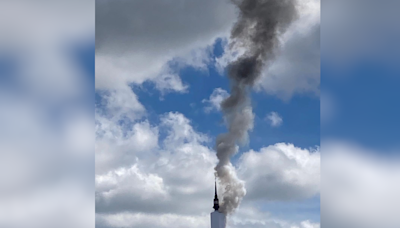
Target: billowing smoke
(257, 30)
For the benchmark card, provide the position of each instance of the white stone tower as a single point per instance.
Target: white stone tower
(218, 219)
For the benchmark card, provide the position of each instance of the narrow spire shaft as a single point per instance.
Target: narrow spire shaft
(216, 201)
(216, 194)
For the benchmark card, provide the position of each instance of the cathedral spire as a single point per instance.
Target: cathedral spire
(216, 202)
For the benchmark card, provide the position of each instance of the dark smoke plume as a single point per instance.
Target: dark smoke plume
(257, 30)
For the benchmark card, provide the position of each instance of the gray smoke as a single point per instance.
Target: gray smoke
(257, 30)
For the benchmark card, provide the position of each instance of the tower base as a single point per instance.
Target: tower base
(218, 220)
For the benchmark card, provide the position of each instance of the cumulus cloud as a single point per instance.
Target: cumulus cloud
(116, 146)
(173, 175)
(249, 216)
(274, 119)
(160, 174)
(165, 221)
(121, 103)
(288, 173)
(214, 102)
(360, 188)
(167, 171)
(156, 221)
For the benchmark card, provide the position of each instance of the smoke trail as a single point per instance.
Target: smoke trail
(257, 30)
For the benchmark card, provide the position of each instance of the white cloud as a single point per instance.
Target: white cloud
(169, 175)
(62, 204)
(117, 146)
(280, 172)
(148, 220)
(121, 103)
(133, 46)
(46, 137)
(170, 82)
(360, 188)
(308, 224)
(38, 35)
(274, 119)
(135, 40)
(172, 172)
(214, 102)
(249, 216)
(158, 175)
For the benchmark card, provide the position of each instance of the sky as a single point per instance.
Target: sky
(160, 79)
(156, 75)
(359, 130)
(360, 71)
(46, 103)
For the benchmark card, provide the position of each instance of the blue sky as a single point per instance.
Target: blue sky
(150, 129)
(360, 75)
(300, 114)
(365, 104)
(366, 93)
(149, 150)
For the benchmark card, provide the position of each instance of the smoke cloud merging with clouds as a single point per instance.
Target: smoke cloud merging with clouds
(257, 31)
